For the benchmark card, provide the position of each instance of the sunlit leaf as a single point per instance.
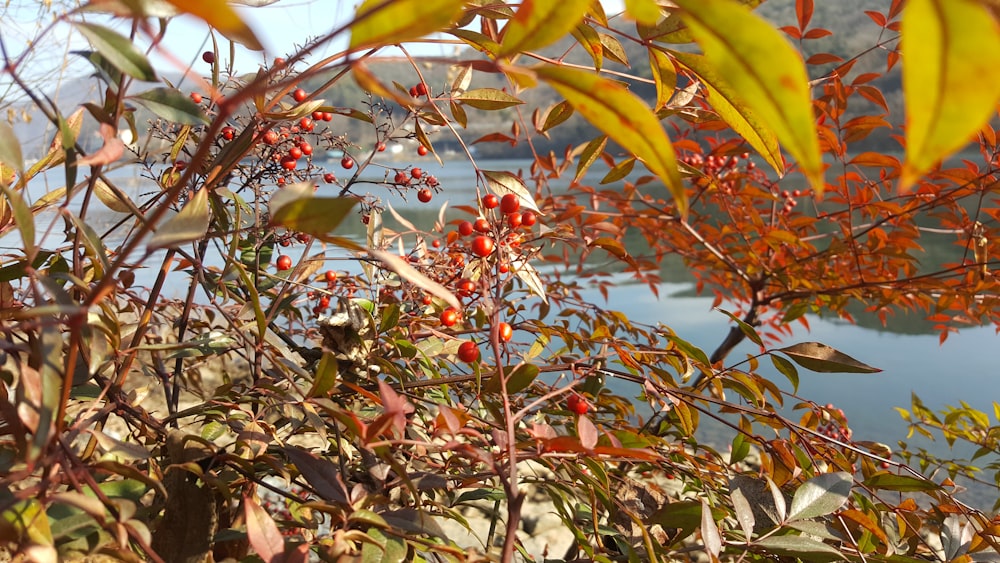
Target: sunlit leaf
(118, 50)
(538, 23)
(190, 224)
(821, 495)
(758, 62)
(10, 149)
(900, 483)
(623, 117)
(710, 531)
(172, 105)
(951, 78)
(263, 533)
(218, 14)
(731, 108)
(379, 22)
(297, 208)
(411, 275)
(643, 11)
(502, 183)
(822, 358)
(488, 99)
(802, 547)
(23, 218)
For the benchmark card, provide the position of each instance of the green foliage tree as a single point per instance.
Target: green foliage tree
(286, 409)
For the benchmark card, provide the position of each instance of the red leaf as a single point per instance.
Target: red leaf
(877, 17)
(396, 406)
(111, 151)
(823, 59)
(804, 11)
(817, 33)
(793, 31)
(263, 533)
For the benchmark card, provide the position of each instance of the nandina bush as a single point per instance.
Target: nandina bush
(260, 356)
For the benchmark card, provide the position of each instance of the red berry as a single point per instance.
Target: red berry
(503, 267)
(425, 195)
(449, 317)
(422, 150)
(481, 225)
(416, 173)
(436, 243)
(306, 148)
(295, 152)
(490, 201)
(347, 162)
(270, 137)
(483, 246)
(300, 95)
(288, 162)
(510, 203)
(468, 352)
(196, 97)
(402, 178)
(514, 220)
(466, 287)
(208, 57)
(413, 91)
(284, 262)
(228, 133)
(465, 228)
(380, 147)
(306, 124)
(317, 115)
(329, 178)
(577, 404)
(279, 61)
(324, 302)
(421, 89)
(528, 218)
(505, 332)
(330, 276)
(327, 116)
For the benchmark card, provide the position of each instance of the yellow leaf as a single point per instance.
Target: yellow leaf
(951, 78)
(218, 14)
(538, 23)
(732, 109)
(623, 117)
(379, 23)
(643, 11)
(751, 56)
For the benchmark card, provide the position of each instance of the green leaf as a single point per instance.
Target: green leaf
(623, 117)
(951, 78)
(518, 378)
(296, 208)
(901, 483)
(488, 99)
(758, 62)
(326, 375)
(118, 50)
(557, 114)
(189, 225)
(10, 150)
(824, 359)
(734, 110)
(385, 23)
(800, 546)
(788, 370)
(538, 23)
(746, 329)
(821, 495)
(172, 105)
(23, 218)
(589, 156)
